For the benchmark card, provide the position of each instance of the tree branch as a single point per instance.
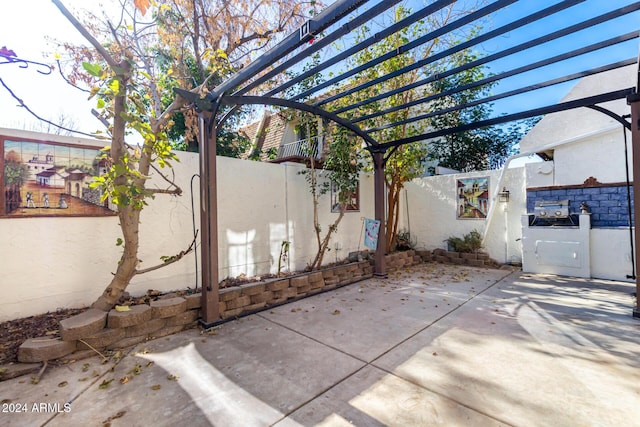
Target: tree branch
(87, 35)
(177, 189)
(68, 81)
(157, 104)
(177, 103)
(172, 259)
(23, 105)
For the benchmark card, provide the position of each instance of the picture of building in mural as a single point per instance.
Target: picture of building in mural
(473, 198)
(50, 179)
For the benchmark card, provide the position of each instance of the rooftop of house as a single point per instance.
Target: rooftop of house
(265, 135)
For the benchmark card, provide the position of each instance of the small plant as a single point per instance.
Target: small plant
(404, 241)
(284, 254)
(471, 242)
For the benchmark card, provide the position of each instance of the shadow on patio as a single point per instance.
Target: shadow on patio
(430, 345)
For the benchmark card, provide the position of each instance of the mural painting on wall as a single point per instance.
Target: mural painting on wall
(473, 198)
(353, 201)
(51, 179)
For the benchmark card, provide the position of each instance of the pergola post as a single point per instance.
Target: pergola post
(380, 268)
(208, 219)
(634, 102)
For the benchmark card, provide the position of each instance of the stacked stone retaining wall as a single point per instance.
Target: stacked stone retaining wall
(476, 259)
(95, 331)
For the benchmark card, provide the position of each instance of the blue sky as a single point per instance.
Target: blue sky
(563, 19)
(27, 27)
(27, 24)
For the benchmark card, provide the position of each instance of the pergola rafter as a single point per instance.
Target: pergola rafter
(510, 93)
(457, 24)
(562, 106)
(342, 19)
(483, 82)
(494, 57)
(455, 49)
(422, 13)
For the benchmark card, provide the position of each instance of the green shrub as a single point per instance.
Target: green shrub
(471, 242)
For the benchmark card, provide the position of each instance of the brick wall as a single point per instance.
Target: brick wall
(607, 203)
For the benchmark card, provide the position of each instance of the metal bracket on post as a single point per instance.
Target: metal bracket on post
(306, 31)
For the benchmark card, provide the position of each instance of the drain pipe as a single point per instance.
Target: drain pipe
(626, 166)
(195, 230)
(406, 200)
(500, 185)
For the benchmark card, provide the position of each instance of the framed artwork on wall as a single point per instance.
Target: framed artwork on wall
(472, 197)
(41, 178)
(354, 200)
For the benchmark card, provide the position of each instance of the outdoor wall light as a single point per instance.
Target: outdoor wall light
(503, 196)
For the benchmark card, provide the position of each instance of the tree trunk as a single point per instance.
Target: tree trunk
(317, 262)
(391, 203)
(393, 209)
(130, 224)
(396, 214)
(129, 217)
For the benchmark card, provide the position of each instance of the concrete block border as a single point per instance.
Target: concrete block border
(120, 329)
(475, 259)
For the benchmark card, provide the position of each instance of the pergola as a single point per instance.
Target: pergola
(341, 19)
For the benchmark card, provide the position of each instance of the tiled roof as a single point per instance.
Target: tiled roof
(265, 134)
(272, 134)
(251, 130)
(47, 173)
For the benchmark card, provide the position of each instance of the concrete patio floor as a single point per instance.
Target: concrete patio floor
(431, 345)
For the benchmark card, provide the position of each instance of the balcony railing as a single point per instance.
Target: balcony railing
(304, 148)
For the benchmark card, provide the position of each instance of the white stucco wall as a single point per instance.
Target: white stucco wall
(611, 253)
(585, 143)
(600, 155)
(581, 122)
(300, 218)
(432, 213)
(263, 204)
(51, 263)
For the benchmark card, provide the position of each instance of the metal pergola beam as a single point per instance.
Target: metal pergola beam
(455, 49)
(563, 106)
(508, 94)
(459, 23)
(322, 21)
(279, 102)
(504, 75)
(251, 85)
(499, 55)
(422, 13)
(317, 45)
(634, 101)
(500, 76)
